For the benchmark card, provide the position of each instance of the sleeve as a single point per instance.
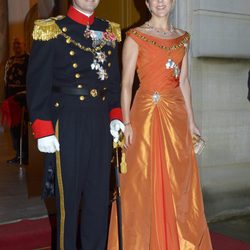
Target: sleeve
(39, 85)
(114, 90)
(6, 69)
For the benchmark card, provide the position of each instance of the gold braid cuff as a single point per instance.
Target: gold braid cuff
(46, 29)
(116, 30)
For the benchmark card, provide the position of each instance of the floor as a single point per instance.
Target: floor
(237, 228)
(16, 205)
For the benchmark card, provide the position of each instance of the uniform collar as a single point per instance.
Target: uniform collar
(79, 17)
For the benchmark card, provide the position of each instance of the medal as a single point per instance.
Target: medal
(86, 33)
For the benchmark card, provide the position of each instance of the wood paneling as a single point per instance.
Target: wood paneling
(126, 12)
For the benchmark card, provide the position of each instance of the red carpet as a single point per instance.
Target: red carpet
(25, 235)
(36, 234)
(221, 242)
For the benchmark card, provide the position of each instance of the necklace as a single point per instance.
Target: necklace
(164, 33)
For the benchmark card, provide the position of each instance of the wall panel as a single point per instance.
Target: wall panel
(125, 12)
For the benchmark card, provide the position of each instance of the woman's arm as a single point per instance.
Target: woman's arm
(186, 91)
(129, 59)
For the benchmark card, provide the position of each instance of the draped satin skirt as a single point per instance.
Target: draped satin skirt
(162, 204)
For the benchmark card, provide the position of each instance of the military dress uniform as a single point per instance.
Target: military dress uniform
(74, 92)
(15, 83)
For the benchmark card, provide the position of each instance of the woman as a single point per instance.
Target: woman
(162, 204)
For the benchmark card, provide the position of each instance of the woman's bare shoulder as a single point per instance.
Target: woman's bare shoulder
(180, 32)
(142, 28)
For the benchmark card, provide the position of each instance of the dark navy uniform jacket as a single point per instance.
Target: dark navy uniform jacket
(61, 56)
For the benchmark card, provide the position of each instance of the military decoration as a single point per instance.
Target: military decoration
(101, 57)
(172, 65)
(99, 40)
(102, 73)
(99, 36)
(87, 32)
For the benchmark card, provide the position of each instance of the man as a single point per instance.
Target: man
(73, 94)
(15, 70)
(15, 85)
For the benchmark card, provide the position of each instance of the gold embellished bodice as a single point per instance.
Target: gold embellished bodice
(159, 61)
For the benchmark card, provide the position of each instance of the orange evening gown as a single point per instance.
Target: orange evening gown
(162, 204)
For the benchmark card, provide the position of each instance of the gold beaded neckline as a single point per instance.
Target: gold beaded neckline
(182, 43)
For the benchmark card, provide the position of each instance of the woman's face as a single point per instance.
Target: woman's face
(86, 5)
(160, 8)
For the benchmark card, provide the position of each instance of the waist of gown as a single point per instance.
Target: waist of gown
(157, 95)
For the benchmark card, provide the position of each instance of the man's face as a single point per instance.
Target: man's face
(87, 6)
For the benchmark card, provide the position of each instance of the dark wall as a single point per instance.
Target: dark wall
(61, 6)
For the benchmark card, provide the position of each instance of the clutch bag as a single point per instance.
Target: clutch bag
(198, 144)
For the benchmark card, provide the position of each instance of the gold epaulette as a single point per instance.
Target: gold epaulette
(46, 29)
(116, 29)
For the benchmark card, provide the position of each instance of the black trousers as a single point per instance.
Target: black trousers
(15, 136)
(85, 153)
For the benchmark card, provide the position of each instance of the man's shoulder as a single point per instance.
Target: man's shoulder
(107, 22)
(113, 27)
(46, 29)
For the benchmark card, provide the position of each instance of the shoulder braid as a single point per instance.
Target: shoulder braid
(46, 29)
(116, 29)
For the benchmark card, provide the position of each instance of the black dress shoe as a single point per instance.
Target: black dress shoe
(15, 160)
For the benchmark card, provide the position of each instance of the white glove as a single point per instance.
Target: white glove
(115, 127)
(48, 144)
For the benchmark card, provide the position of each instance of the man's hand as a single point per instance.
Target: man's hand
(115, 127)
(48, 144)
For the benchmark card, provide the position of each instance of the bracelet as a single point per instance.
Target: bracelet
(126, 123)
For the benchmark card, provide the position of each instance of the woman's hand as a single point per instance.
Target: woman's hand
(128, 135)
(194, 129)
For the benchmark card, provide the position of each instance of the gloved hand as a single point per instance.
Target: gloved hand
(115, 127)
(48, 144)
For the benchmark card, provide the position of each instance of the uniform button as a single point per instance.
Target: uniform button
(104, 98)
(68, 40)
(109, 52)
(72, 53)
(109, 64)
(93, 92)
(64, 29)
(75, 65)
(79, 86)
(104, 88)
(57, 104)
(77, 75)
(82, 98)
